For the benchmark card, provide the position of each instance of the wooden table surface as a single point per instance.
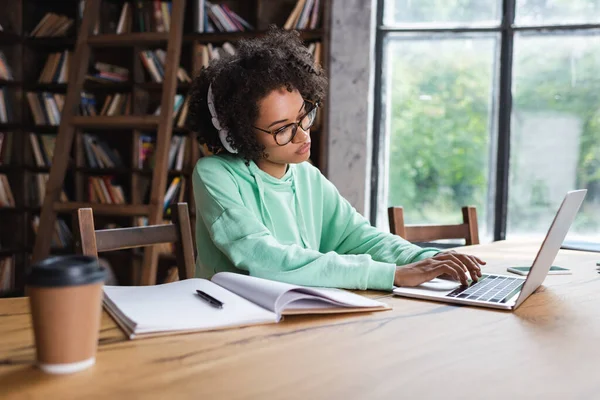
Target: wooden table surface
(548, 348)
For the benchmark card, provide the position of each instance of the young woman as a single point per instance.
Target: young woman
(261, 209)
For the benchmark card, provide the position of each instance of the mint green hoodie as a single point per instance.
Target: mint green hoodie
(296, 229)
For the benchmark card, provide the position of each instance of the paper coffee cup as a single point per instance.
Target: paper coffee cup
(65, 295)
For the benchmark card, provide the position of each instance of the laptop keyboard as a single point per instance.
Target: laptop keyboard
(492, 288)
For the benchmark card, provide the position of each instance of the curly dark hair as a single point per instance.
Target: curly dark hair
(277, 60)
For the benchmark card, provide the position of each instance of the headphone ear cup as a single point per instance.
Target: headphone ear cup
(223, 133)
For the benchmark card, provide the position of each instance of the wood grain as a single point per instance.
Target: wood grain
(548, 348)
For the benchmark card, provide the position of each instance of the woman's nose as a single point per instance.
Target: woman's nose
(301, 135)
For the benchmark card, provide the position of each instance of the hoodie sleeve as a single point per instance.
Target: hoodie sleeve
(348, 232)
(249, 245)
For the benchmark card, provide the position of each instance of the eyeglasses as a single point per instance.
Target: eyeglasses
(286, 133)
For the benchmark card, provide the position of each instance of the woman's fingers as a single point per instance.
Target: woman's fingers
(447, 269)
(452, 257)
(473, 268)
(468, 261)
(459, 271)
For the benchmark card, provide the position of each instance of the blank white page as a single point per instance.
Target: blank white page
(176, 306)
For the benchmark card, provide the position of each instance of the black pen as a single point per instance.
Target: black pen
(209, 299)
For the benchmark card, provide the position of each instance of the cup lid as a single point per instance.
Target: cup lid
(66, 270)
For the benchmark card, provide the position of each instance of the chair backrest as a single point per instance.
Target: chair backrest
(92, 241)
(468, 230)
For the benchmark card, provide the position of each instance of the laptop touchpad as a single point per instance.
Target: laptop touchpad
(439, 284)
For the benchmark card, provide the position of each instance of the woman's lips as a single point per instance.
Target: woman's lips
(304, 148)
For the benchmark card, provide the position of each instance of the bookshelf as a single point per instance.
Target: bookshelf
(27, 57)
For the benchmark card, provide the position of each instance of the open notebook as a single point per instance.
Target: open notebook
(175, 308)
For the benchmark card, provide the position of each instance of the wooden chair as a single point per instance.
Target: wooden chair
(91, 241)
(426, 233)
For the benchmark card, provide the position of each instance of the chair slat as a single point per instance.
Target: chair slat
(426, 233)
(468, 230)
(127, 238)
(179, 232)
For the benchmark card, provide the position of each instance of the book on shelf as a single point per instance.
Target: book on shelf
(61, 236)
(153, 16)
(5, 106)
(208, 52)
(180, 110)
(305, 15)
(218, 18)
(116, 104)
(5, 69)
(177, 152)
(42, 147)
(146, 146)
(176, 307)
(154, 63)
(104, 72)
(316, 49)
(56, 68)
(6, 139)
(87, 105)
(45, 107)
(103, 190)
(99, 154)
(6, 196)
(115, 17)
(175, 193)
(7, 273)
(37, 190)
(52, 25)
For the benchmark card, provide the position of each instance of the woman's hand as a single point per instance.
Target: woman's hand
(449, 263)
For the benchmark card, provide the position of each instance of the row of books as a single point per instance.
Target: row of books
(56, 69)
(42, 147)
(219, 18)
(305, 15)
(5, 70)
(7, 274)
(102, 189)
(177, 152)
(37, 190)
(5, 106)
(153, 16)
(99, 154)
(116, 104)
(209, 52)
(6, 140)
(52, 24)
(46, 107)
(6, 196)
(180, 110)
(154, 62)
(61, 237)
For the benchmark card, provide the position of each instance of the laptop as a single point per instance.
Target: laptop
(504, 291)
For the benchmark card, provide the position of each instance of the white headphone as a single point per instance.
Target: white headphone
(223, 133)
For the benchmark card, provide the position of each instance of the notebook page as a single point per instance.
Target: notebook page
(303, 298)
(280, 297)
(176, 306)
(259, 291)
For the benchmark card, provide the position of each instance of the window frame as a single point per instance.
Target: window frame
(506, 30)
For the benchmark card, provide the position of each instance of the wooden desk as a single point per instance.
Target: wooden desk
(548, 348)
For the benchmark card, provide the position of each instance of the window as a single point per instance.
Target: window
(488, 103)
